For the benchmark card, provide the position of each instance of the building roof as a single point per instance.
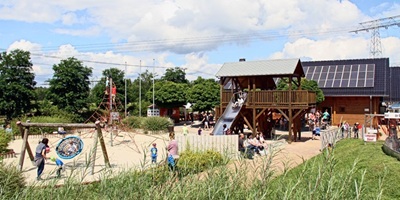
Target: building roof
(259, 68)
(358, 77)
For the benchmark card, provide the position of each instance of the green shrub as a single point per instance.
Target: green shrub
(11, 181)
(156, 124)
(133, 122)
(4, 140)
(191, 162)
(49, 110)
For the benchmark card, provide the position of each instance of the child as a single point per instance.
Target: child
(199, 131)
(60, 165)
(154, 154)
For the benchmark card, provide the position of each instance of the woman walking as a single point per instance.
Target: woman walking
(41, 150)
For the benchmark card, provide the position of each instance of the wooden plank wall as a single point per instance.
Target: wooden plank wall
(225, 144)
(350, 109)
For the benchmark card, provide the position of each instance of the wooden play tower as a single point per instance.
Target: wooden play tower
(258, 79)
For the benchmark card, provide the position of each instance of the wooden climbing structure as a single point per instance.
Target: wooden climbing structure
(258, 80)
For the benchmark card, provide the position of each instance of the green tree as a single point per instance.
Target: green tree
(204, 94)
(176, 75)
(169, 94)
(69, 87)
(306, 84)
(16, 83)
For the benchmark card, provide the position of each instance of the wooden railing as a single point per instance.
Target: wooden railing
(275, 98)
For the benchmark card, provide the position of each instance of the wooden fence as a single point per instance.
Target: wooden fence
(330, 136)
(225, 144)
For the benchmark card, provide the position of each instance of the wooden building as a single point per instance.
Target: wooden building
(257, 79)
(353, 88)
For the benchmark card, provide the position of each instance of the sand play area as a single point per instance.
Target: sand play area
(132, 150)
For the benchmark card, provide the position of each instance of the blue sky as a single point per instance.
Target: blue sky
(196, 35)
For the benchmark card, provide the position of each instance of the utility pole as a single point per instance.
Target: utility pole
(374, 26)
(125, 90)
(140, 88)
(154, 65)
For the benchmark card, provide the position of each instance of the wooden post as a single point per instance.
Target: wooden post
(254, 108)
(24, 142)
(25, 145)
(290, 109)
(94, 150)
(102, 144)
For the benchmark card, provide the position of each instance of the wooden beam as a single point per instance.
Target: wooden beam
(254, 107)
(58, 125)
(25, 146)
(297, 113)
(247, 121)
(284, 115)
(102, 144)
(290, 109)
(259, 114)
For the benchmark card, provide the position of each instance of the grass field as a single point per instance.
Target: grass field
(351, 171)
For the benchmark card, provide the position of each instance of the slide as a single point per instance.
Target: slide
(228, 116)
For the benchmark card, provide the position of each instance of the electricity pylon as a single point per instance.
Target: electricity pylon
(374, 26)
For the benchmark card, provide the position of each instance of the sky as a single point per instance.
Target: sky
(198, 36)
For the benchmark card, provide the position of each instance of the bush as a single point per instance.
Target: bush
(4, 140)
(156, 124)
(191, 162)
(11, 181)
(133, 122)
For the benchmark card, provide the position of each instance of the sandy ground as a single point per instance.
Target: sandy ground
(131, 150)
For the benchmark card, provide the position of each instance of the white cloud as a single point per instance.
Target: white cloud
(170, 21)
(197, 64)
(24, 45)
(338, 48)
(329, 49)
(91, 31)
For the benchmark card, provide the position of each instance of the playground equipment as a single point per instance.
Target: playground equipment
(108, 112)
(24, 130)
(69, 147)
(230, 113)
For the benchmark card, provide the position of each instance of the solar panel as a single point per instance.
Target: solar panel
(357, 75)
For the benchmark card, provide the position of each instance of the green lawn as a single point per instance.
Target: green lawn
(352, 171)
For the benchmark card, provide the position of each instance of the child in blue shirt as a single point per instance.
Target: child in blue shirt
(154, 153)
(60, 165)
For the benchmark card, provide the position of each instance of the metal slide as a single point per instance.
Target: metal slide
(228, 116)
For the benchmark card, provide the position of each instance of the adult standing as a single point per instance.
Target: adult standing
(40, 157)
(173, 151)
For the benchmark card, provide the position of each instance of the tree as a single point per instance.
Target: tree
(204, 94)
(169, 94)
(16, 83)
(176, 75)
(306, 84)
(69, 87)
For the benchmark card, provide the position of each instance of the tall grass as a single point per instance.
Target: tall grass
(351, 171)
